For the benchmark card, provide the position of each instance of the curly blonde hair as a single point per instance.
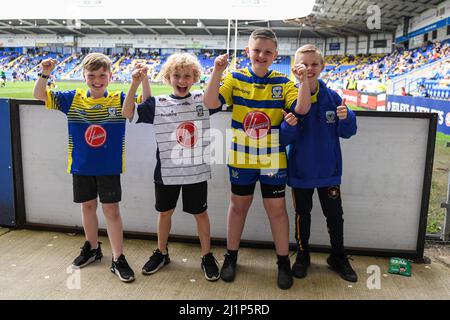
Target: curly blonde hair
(180, 61)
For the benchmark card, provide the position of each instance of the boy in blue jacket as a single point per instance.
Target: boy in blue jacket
(315, 162)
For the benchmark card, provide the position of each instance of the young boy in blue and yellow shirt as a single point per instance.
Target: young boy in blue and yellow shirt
(96, 154)
(258, 96)
(315, 162)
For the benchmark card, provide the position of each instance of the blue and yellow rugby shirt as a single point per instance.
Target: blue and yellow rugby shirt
(96, 145)
(257, 103)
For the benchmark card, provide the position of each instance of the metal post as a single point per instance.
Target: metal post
(228, 37)
(235, 44)
(446, 206)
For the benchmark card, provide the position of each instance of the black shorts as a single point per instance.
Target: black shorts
(268, 190)
(86, 188)
(194, 197)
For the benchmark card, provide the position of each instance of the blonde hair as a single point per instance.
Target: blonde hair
(180, 61)
(308, 48)
(264, 33)
(95, 61)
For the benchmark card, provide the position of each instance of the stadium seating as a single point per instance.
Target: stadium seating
(362, 67)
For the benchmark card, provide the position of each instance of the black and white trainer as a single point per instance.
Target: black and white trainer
(155, 262)
(210, 267)
(87, 255)
(122, 269)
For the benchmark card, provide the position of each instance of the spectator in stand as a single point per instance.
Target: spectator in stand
(423, 92)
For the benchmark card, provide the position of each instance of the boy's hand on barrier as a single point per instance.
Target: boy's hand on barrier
(221, 63)
(342, 111)
(290, 118)
(48, 65)
(300, 72)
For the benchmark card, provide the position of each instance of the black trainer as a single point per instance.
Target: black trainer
(155, 262)
(87, 255)
(228, 271)
(122, 269)
(342, 266)
(301, 264)
(210, 267)
(285, 279)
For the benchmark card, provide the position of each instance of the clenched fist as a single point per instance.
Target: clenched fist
(48, 65)
(300, 72)
(221, 63)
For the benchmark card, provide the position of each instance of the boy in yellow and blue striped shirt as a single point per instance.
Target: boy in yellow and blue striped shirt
(96, 154)
(259, 98)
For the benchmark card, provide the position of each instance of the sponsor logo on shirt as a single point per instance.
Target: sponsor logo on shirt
(97, 107)
(187, 134)
(171, 114)
(241, 90)
(95, 136)
(256, 124)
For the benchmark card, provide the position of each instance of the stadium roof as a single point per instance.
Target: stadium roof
(349, 17)
(329, 18)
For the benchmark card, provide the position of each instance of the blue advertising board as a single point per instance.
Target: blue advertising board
(431, 27)
(334, 46)
(7, 212)
(420, 104)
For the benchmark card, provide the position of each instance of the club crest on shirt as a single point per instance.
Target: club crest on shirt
(187, 134)
(199, 109)
(112, 112)
(330, 116)
(277, 92)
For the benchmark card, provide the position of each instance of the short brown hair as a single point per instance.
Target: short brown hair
(181, 61)
(264, 33)
(308, 48)
(95, 61)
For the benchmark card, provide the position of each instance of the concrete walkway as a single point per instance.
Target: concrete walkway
(36, 265)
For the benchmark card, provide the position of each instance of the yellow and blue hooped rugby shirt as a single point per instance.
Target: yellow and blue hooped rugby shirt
(257, 115)
(96, 129)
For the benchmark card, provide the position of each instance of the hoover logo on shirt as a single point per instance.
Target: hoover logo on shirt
(256, 124)
(187, 134)
(95, 136)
